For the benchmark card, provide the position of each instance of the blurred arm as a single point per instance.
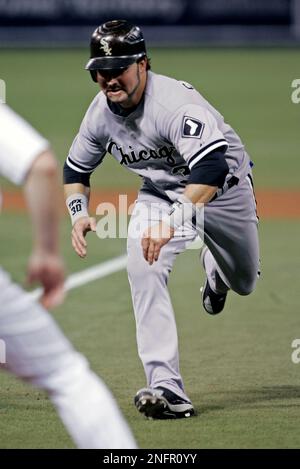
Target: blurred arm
(42, 192)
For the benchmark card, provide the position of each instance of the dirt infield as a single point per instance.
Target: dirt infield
(272, 203)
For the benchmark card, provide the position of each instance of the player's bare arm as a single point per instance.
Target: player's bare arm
(156, 236)
(42, 194)
(83, 223)
(200, 193)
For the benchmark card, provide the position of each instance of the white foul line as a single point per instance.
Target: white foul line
(95, 272)
(90, 274)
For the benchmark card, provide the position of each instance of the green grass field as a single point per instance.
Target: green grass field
(237, 367)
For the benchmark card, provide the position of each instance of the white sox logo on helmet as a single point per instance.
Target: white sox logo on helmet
(104, 46)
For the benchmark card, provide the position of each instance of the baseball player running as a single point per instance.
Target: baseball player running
(167, 133)
(37, 351)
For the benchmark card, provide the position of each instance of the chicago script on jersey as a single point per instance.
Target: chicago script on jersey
(133, 156)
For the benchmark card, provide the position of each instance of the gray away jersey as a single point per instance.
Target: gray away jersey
(172, 128)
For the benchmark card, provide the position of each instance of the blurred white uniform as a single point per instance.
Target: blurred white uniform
(36, 349)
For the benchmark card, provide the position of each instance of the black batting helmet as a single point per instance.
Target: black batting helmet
(115, 45)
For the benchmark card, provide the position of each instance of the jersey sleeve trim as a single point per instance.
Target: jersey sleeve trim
(206, 150)
(80, 168)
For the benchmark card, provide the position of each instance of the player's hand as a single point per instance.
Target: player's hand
(154, 238)
(80, 229)
(48, 270)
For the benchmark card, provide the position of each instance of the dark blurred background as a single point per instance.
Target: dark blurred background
(166, 22)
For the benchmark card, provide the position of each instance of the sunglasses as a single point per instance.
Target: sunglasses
(111, 73)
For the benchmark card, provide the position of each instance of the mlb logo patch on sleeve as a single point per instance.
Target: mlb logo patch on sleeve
(192, 128)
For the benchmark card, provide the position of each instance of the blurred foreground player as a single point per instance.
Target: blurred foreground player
(37, 351)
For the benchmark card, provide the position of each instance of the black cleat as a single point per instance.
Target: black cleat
(213, 303)
(161, 403)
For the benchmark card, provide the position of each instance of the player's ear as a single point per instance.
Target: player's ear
(142, 64)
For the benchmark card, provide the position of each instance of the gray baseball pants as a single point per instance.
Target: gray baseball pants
(232, 262)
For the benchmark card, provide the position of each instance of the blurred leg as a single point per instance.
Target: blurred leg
(39, 353)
